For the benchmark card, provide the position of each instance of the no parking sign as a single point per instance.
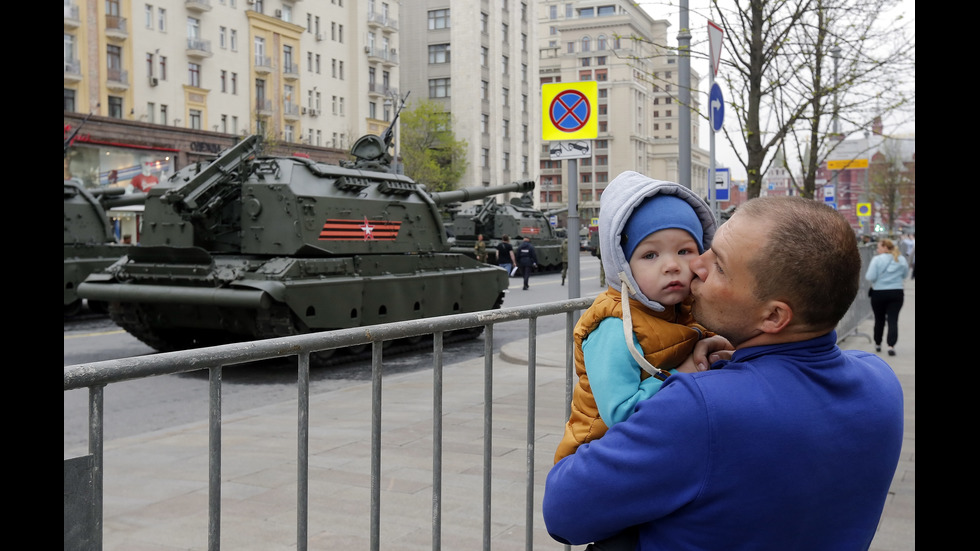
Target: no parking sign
(569, 111)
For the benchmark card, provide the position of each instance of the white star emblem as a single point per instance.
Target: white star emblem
(367, 229)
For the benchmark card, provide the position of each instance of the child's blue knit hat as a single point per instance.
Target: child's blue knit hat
(661, 212)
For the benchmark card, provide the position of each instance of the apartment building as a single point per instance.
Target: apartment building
(476, 59)
(310, 75)
(638, 91)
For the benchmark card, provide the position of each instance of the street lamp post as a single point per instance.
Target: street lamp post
(835, 53)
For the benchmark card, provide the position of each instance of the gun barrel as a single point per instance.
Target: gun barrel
(479, 192)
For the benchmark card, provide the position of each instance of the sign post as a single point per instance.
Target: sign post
(717, 114)
(569, 116)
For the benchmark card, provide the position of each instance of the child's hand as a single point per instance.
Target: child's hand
(708, 351)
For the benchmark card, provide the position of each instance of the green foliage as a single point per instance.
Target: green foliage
(429, 149)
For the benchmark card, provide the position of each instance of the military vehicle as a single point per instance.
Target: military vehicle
(249, 246)
(90, 243)
(517, 219)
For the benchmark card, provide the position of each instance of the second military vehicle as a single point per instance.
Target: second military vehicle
(517, 219)
(248, 246)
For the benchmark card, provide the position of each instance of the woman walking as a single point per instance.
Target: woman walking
(887, 272)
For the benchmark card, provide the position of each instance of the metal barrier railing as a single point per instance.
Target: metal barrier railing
(97, 375)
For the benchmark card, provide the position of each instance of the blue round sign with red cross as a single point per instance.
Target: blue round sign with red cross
(570, 111)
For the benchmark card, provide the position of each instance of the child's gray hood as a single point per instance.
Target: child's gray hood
(616, 204)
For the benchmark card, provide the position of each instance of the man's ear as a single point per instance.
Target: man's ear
(778, 316)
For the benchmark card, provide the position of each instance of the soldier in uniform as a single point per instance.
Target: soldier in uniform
(480, 248)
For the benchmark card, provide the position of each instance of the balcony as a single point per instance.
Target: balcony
(115, 27)
(73, 71)
(263, 64)
(263, 107)
(380, 20)
(290, 71)
(198, 48)
(117, 80)
(71, 17)
(198, 6)
(388, 57)
(290, 111)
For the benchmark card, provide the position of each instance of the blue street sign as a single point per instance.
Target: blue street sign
(716, 104)
(723, 181)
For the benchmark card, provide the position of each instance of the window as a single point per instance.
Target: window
(600, 60)
(234, 84)
(163, 115)
(504, 65)
(506, 129)
(438, 19)
(484, 158)
(570, 47)
(568, 11)
(149, 64)
(484, 23)
(163, 67)
(151, 114)
(287, 58)
(586, 44)
(115, 107)
(505, 96)
(484, 90)
(586, 61)
(194, 74)
(222, 37)
(586, 12)
(224, 81)
(148, 16)
(601, 43)
(234, 40)
(504, 32)
(484, 55)
(484, 123)
(193, 28)
(552, 12)
(439, 53)
(70, 100)
(289, 133)
(506, 160)
(601, 75)
(260, 52)
(439, 88)
(195, 121)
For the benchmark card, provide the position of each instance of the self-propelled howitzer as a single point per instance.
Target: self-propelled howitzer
(90, 243)
(517, 219)
(249, 246)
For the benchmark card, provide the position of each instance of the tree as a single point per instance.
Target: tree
(892, 184)
(776, 66)
(429, 148)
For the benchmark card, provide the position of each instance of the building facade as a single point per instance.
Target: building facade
(618, 45)
(475, 59)
(309, 76)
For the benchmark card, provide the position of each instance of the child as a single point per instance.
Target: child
(649, 231)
